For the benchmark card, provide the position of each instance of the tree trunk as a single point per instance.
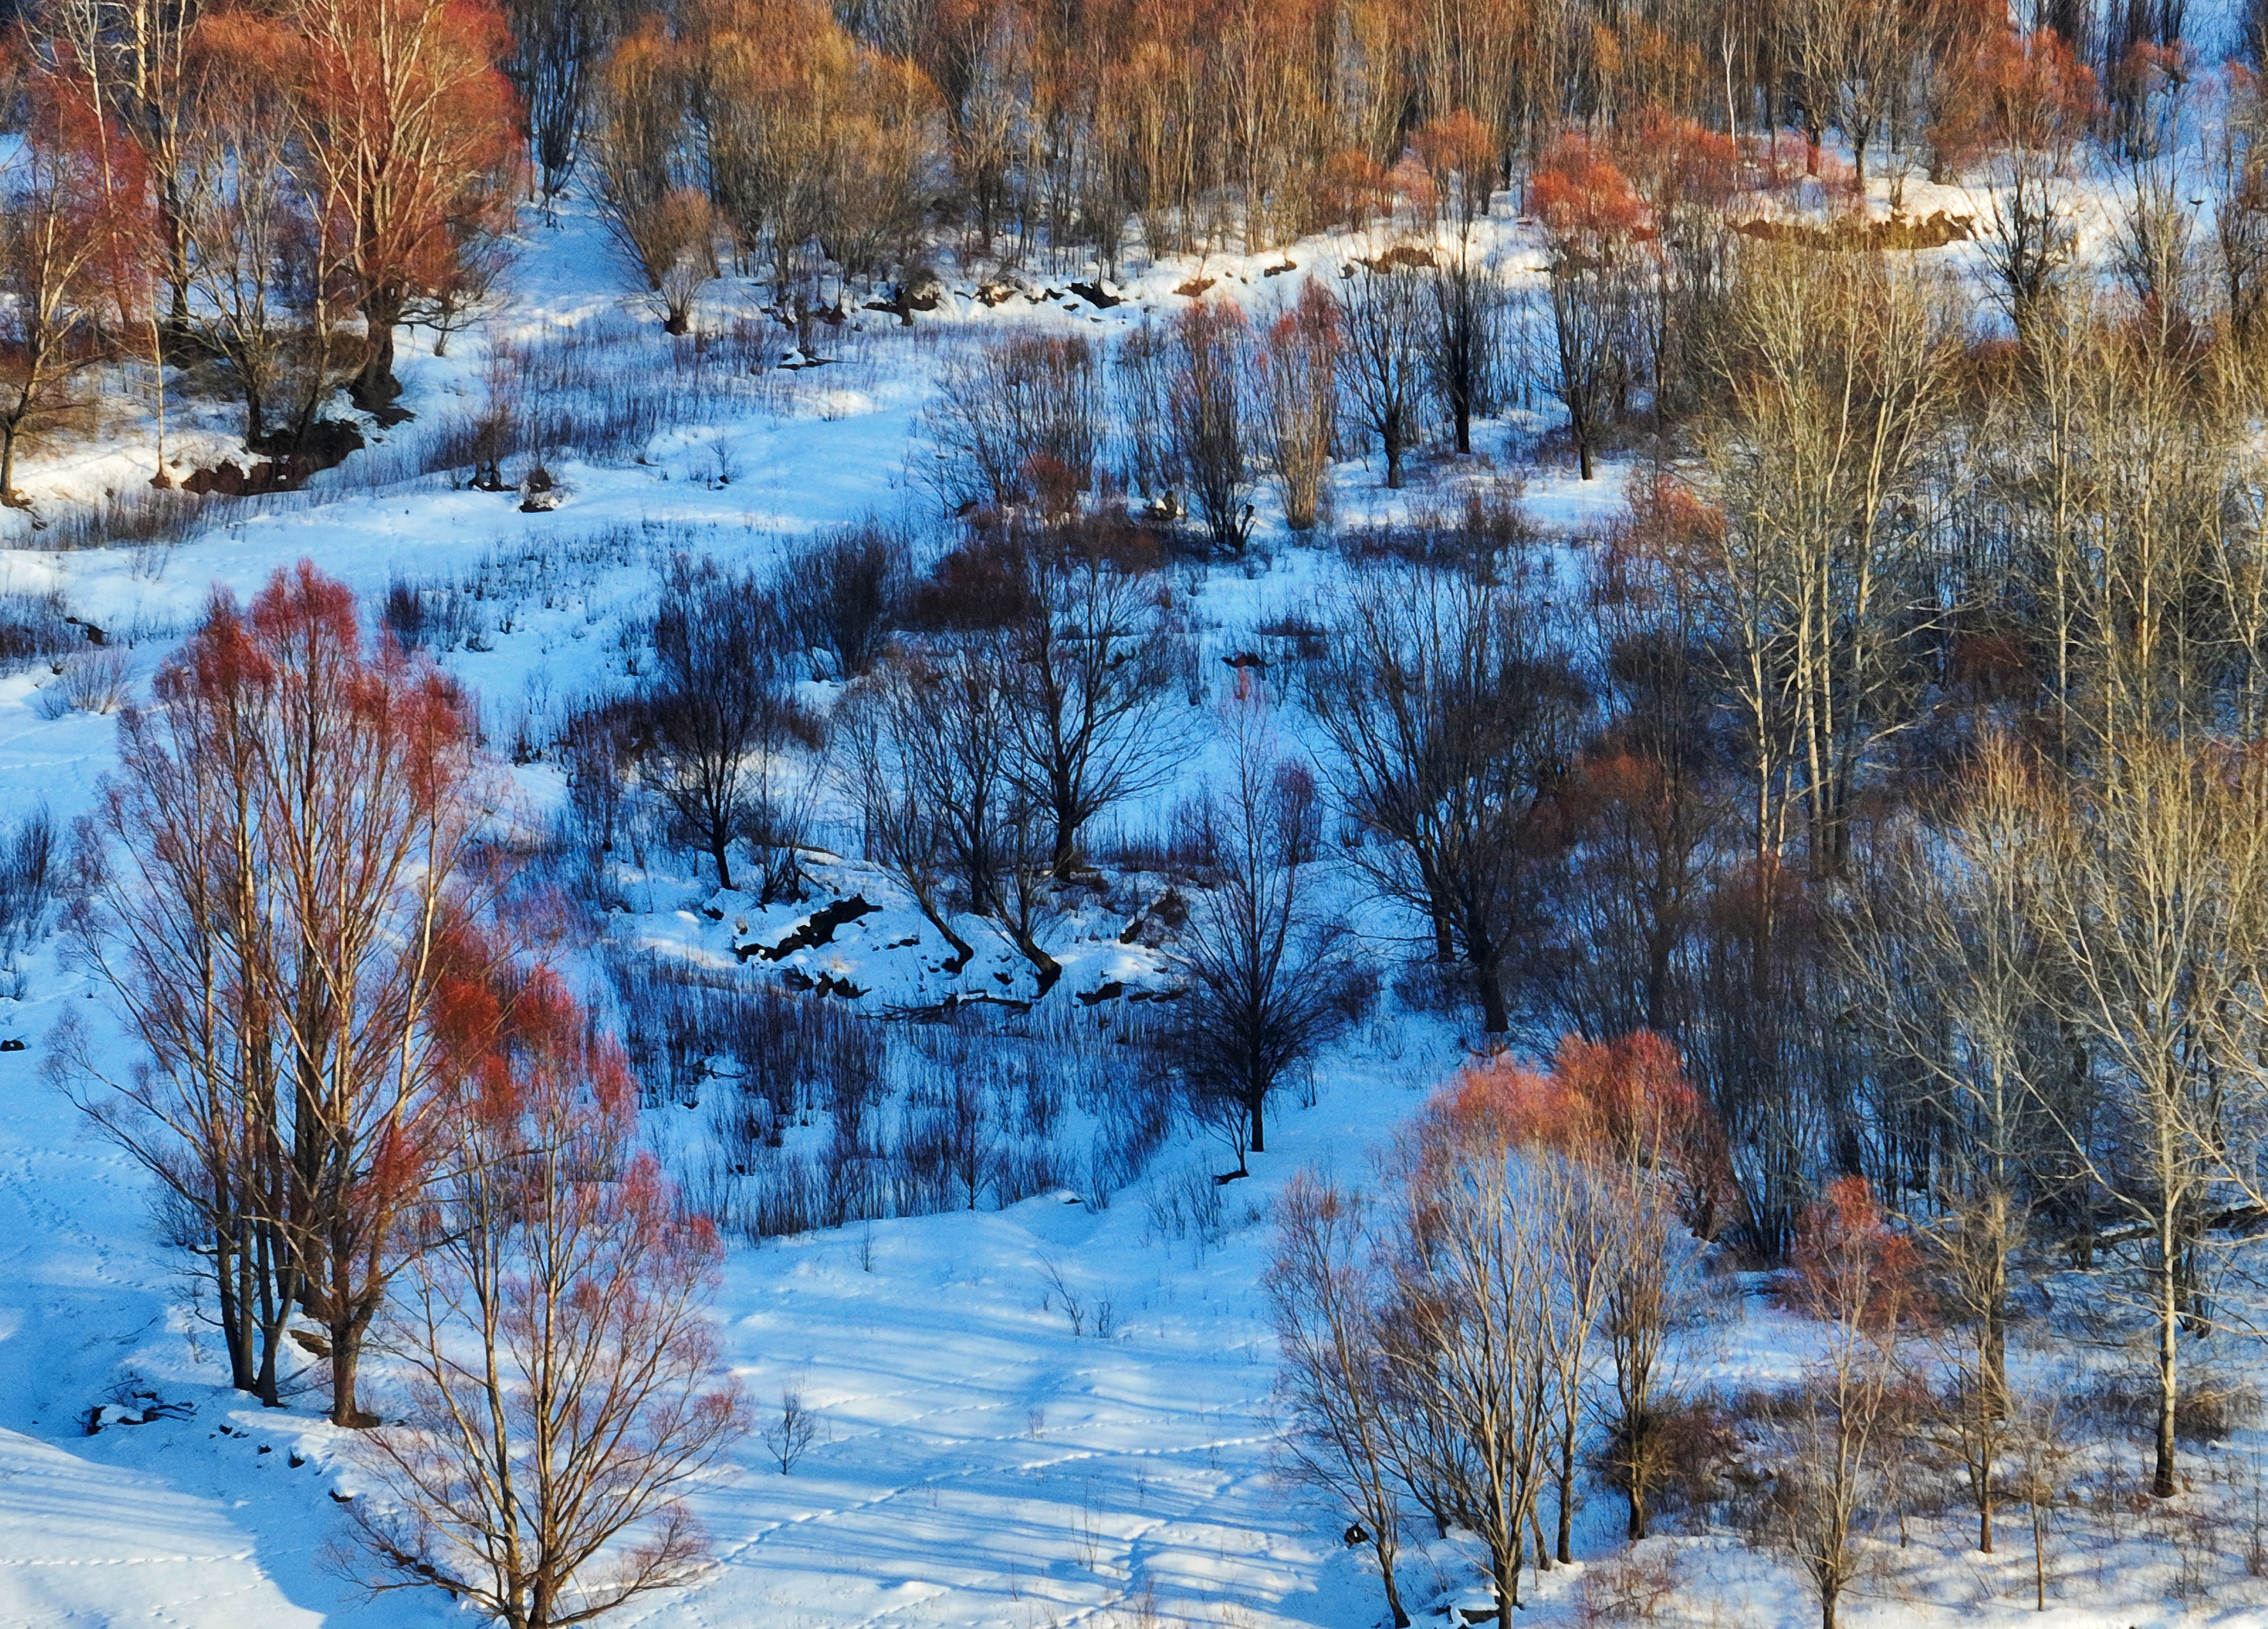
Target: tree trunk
(1062, 859)
(310, 1149)
(8, 433)
(1994, 1355)
(2162, 1480)
(346, 1360)
(1386, 1550)
(1565, 1549)
(963, 952)
(1505, 1575)
(275, 1303)
(1495, 1018)
(177, 256)
(375, 387)
(1045, 970)
(235, 1315)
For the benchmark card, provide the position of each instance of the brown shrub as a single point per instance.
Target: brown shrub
(1698, 1448)
(2209, 1407)
(1629, 1587)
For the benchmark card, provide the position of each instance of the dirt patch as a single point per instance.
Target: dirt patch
(290, 460)
(1898, 231)
(1411, 254)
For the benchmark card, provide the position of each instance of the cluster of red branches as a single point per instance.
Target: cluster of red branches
(273, 190)
(372, 1108)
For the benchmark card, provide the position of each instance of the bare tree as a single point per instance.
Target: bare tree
(2039, 99)
(970, 1136)
(210, 1117)
(247, 245)
(1298, 389)
(1467, 311)
(716, 711)
(895, 772)
(1460, 155)
(1958, 985)
(406, 124)
(1655, 792)
(556, 1348)
(1978, 1413)
(599, 749)
(1856, 1275)
(791, 1431)
(1383, 314)
(837, 596)
(1851, 64)
(2044, 1448)
(1582, 1204)
(1330, 1385)
(644, 178)
(1451, 711)
(2154, 243)
(1652, 1174)
(1595, 227)
(1140, 370)
(1088, 658)
(556, 46)
(933, 754)
(1840, 382)
(1017, 421)
(1472, 1300)
(2142, 885)
(2238, 176)
(54, 234)
(1260, 965)
(1208, 398)
(299, 824)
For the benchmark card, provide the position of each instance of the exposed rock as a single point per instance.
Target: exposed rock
(289, 462)
(816, 929)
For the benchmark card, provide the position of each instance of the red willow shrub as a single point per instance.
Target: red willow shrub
(283, 890)
(559, 1356)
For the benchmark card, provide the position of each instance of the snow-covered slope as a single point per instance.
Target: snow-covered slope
(982, 1460)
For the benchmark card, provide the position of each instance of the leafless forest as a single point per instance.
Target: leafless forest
(1848, 867)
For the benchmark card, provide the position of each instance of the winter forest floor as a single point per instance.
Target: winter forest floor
(979, 1460)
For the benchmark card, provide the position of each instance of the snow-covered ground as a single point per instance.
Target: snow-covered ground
(980, 1461)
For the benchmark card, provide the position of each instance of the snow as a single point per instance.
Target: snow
(82, 1541)
(980, 1462)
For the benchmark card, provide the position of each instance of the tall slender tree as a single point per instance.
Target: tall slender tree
(408, 128)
